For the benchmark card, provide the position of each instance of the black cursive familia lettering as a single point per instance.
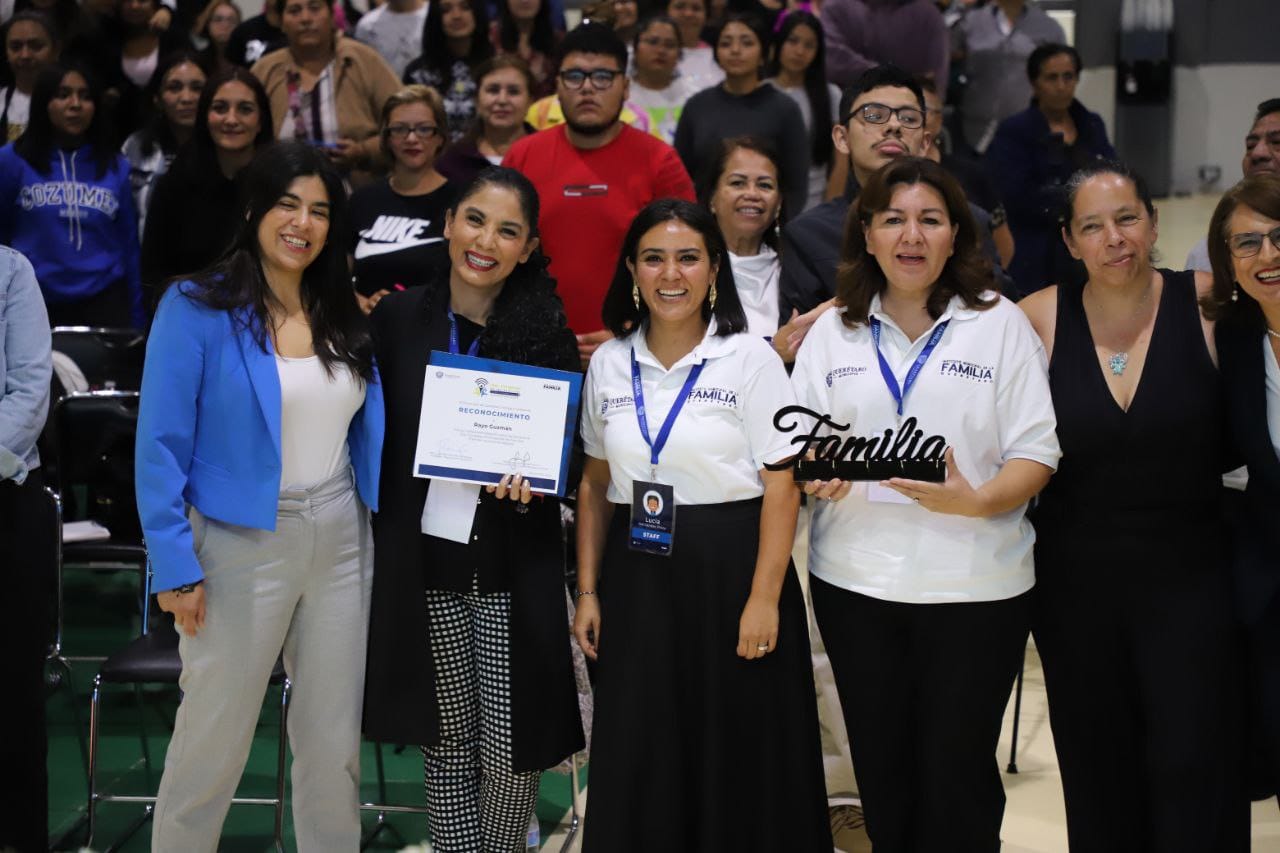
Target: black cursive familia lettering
(904, 451)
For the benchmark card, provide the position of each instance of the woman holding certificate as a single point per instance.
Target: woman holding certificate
(686, 595)
(261, 412)
(467, 648)
(921, 588)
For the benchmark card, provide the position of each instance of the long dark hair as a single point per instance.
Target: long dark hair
(158, 132)
(435, 44)
(815, 82)
(36, 143)
(236, 283)
(197, 161)
(543, 37)
(33, 16)
(528, 321)
(766, 149)
(620, 313)
(1227, 300)
(859, 278)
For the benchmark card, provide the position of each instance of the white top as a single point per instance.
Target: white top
(323, 89)
(139, 69)
(1273, 392)
(818, 171)
(724, 434)
(985, 390)
(315, 414)
(756, 277)
(663, 106)
(395, 35)
(17, 109)
(698, 66)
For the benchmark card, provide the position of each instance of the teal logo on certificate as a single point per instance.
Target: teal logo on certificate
(484, 419)
(653, 517)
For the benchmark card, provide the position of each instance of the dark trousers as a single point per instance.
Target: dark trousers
(1264, 660)
(1144, 686)
(26, 564)
(924, 688)
(108, 308)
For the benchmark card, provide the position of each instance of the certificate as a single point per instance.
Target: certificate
(483, 419)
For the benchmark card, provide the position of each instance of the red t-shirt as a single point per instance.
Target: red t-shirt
(589, 198)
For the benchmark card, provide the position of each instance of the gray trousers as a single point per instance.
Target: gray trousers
(303, 589)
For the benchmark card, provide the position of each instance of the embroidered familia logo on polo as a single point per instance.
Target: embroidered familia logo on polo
(966, 370)
(725, 398)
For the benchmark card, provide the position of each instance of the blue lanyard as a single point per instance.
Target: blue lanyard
(655, 448)
(900, 394)
(453, 337)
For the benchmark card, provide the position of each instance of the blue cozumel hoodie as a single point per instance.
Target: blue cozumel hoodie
(79, 231)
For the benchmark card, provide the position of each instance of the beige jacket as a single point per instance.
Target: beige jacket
(362, 83)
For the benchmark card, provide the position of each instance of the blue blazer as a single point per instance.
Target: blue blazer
(209, 433)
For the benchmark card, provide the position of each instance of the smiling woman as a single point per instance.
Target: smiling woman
(232, 121)
(467, 652)
(261, 410)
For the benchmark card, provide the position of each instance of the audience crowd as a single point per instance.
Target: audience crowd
(751, 213)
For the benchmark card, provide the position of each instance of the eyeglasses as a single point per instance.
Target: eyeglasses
(601, 78)
(402, 131)
(909, 117)
(1249, 243)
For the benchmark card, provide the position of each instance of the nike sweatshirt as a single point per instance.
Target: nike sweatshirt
(79, 231)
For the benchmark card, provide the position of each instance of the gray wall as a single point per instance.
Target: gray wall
(1227, 59)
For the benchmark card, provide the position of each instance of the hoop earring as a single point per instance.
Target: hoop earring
(635, 294)
(713, 296)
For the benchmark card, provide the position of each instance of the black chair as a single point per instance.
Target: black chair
(153, 659)
(110, 359)
(94, 437)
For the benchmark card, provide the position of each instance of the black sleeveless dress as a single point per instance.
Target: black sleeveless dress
(1132, 615)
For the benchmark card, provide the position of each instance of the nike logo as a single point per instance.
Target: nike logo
(369, 250)
(393, 234)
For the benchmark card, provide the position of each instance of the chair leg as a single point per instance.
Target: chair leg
(142, 733)
(284, 733)
(1017, 714)
(574, 817)
(94, 709)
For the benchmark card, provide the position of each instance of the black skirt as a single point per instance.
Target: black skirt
(721, 752)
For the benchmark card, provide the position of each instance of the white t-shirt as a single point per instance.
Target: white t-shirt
(698, 66)
(1273, 392)
(315, 415)
(724, 434)
(395, 35)
(16, 108)
(985, 390)
(663, 106)
(139, 69)
(756, 277)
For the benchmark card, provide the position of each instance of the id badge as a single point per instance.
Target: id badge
(653, 517)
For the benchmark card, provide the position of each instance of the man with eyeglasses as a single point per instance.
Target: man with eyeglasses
(881, 117)
(593, 174)
(1261, 156)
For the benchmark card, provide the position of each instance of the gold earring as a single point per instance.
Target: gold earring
(713, 296)
(635, 294)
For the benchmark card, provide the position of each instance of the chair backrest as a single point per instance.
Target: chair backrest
(95, 434)
(110, 359)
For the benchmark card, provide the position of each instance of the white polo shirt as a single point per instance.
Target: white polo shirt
(724, 434)
(985, 390)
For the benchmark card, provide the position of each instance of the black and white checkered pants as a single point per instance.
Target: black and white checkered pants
(475, 801)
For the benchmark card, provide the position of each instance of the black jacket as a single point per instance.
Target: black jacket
(811, 252)
(400, 699)
(1256, 566)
